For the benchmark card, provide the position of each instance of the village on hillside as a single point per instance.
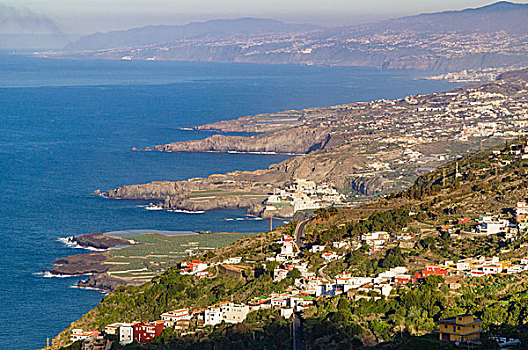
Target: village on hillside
(308, 287)
(293, 260)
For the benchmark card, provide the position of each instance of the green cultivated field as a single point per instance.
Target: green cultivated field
(157, 252)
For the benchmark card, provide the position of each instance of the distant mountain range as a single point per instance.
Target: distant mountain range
(168, 33)
(500, 16)
(493, 35)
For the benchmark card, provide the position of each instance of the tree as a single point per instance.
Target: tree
(294, 274)
(392, 258)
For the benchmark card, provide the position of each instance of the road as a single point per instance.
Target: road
(299, 233)
(298, 341)
(298, 237)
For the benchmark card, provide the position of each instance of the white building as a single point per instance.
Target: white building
(170, 318)
(279, 274)
(213, 316)
(317, 248)
(287, 249)
(330, 256)
(126, 333)
(492, 269)
(79, 334)
(225, 312)
(235, 260)
(286, 312)
(375, 239)
(340, 244)
(235, 313)
(492, 226)
(463, 266)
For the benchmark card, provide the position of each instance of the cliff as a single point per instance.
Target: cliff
(106, 282)
(100, 241)
(297, 140)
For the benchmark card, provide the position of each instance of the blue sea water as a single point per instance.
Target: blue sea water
(67, 127)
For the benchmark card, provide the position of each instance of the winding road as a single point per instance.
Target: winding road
(298, 236)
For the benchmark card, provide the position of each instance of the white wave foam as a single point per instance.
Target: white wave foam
(188, 211)
(68, 241)
(48, 274)
(155, 207)
(75, 286)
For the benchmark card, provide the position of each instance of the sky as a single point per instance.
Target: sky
(89, 16)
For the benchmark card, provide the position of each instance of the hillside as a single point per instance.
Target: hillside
(489, 36)
(428, 215)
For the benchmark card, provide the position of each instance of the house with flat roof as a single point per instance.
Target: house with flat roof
(144, 332)
(80, 334)
(226, 312)
(172, 317)
(462, 328)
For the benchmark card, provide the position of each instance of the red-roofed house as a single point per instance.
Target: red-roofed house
(434, 270)
(144, 332)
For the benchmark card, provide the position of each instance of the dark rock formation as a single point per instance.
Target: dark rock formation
(100, 241)
(80, 264)
(105, 282)
(297, 140)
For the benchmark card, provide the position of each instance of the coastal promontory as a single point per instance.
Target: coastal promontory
(362, 150)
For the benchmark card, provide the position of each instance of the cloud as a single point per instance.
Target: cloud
(15, 20)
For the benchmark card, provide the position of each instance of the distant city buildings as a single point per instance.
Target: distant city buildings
(303, 195)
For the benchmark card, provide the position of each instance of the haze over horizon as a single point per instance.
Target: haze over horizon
(72, 17)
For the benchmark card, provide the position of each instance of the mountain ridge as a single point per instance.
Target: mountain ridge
(155, 34)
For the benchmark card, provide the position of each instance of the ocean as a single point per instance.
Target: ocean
(67, 128)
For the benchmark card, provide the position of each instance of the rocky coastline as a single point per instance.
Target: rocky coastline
(105, 282)
(300, 140)
(98, 241)
(94, 264)
(364, 149)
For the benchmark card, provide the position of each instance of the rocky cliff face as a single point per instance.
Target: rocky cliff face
(298, 140)
(154, 190)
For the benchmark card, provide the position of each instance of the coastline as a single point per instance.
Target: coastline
(359, 149)
(64, 208)
(105, 273)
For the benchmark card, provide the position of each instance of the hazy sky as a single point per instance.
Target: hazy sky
(87, 16)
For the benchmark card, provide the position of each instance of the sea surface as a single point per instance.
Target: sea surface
(67, 127)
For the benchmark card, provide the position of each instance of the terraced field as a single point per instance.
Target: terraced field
(156, 252)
